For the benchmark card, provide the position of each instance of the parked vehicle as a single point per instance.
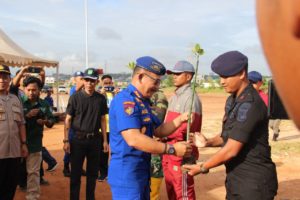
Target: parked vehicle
(62, 89)
(47, 88)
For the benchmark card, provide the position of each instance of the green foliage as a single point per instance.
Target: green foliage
(198, 50)
(131, 65)
(168, 82)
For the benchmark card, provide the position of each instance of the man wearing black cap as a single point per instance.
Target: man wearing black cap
(12, 137)
(245, 151)
(132, 126)
(86, 116)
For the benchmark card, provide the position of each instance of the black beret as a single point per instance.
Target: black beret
(229, 63)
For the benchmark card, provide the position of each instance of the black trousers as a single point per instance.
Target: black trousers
(9, 168)
(103, 167)
(81, 149)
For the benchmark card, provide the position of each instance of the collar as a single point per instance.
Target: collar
(245, 95)
(26, 100)
(182, 89)
(6, 97)
(135, 91)
(86, 94)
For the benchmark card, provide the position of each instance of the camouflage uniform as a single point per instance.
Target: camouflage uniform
(159, 108)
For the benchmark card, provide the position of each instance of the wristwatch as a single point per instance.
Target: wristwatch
(203, 170)
(171, 150)
(23, 142)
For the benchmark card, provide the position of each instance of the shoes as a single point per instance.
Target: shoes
(275, 136)
(102, 178)
(52, 168)
(44, 182)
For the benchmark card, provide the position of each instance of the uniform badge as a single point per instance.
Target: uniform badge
(155, 68)
(242, 112)
(128, 107)
(145, 111)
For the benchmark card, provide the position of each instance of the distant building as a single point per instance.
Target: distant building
(49, 80)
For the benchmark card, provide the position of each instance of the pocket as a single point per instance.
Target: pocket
(17, 113)
(2, 113)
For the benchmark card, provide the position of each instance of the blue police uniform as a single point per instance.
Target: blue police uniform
(129, 169)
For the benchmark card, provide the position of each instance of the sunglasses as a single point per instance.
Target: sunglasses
(157, 81)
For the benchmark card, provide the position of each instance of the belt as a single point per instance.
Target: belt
(86, 135)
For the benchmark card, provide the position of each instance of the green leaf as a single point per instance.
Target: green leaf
(131, 65)
(198, 50)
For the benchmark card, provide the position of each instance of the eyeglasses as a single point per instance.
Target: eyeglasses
(157, 81)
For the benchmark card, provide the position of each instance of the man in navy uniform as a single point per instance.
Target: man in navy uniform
(245, 151)
(132, 126)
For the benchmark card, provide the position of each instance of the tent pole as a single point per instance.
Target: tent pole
(57, 83)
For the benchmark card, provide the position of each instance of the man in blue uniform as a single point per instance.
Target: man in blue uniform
(245, 151)
(132, 126)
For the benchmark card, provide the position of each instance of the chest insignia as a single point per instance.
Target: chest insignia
(145, 111)
(128, 107)
(147, 119)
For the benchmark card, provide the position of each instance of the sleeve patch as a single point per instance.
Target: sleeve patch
(128, 107)
(242, 112)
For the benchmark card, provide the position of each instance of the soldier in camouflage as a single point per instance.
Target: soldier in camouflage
(159, 108)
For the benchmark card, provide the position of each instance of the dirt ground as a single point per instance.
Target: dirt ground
(208, 187)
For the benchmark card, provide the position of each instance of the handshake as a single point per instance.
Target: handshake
(184, 149)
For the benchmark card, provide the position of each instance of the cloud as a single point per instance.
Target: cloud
(107, 34)
(28, 33)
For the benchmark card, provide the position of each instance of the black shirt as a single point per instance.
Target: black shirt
(86, 111)
(246, 121)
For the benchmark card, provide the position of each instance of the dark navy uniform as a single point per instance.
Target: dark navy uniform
(251, 174)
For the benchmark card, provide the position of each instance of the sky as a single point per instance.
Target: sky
(119, 31)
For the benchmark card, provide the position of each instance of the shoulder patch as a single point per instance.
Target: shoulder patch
(128, 107)
(242, 112)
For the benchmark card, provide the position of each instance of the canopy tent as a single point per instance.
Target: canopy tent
(13, 55)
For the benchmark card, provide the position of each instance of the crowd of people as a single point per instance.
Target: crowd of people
(141, 134)
(137, 132)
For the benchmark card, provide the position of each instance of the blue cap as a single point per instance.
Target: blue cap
(90, 73)
(4, 69)
(254, 76)
(181, 66)
(78, 73)
(151, 64)
(229, 63)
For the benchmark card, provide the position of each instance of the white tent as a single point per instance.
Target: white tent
(13, 55)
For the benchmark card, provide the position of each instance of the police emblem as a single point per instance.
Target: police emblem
(128, 107)
(155, 68)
